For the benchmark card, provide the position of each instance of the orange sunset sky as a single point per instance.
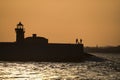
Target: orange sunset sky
(97, 22)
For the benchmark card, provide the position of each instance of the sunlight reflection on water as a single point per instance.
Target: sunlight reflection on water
(109, 70)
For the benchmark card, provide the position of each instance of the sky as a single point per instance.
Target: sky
(97, 22)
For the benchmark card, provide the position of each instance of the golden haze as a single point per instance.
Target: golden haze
(95, 21)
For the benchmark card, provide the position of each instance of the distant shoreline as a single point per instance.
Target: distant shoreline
(102, 49)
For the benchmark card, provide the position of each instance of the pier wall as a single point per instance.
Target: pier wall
(48, 52)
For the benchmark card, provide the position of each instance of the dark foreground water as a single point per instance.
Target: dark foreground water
(88, 70)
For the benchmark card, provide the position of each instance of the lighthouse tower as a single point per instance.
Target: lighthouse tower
(19, 32)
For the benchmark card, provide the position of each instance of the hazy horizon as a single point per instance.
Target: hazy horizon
(97, 22)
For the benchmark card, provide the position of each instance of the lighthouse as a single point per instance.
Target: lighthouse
(19, 32)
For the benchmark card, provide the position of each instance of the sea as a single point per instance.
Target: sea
(87, 70)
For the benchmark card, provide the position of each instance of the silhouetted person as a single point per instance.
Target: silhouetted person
(80, 41)
(77, 41)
